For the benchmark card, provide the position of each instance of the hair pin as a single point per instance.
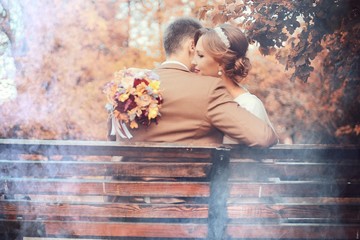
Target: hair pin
(222, 36)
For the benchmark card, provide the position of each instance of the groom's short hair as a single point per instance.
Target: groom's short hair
(177, 31)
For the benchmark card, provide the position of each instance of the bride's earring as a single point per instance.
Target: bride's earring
(219, 73)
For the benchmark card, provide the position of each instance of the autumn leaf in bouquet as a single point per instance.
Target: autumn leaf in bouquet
(133, 99)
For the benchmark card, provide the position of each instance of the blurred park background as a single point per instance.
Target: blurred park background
(56, 56)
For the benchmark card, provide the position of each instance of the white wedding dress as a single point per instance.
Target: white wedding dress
(254, 105)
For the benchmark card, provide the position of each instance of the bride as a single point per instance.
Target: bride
(221, 52)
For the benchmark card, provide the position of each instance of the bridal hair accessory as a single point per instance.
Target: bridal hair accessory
(222, 36)
(134, 99)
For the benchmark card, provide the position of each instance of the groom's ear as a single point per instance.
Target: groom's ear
(191, 45)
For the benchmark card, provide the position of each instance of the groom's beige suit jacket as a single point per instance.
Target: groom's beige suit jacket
(199, 110)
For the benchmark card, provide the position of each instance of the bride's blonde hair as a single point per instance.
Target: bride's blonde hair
(233, 58)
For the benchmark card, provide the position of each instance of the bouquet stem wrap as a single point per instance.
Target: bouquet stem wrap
(120, 128)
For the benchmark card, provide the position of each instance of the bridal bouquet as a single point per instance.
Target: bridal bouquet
(134, 99)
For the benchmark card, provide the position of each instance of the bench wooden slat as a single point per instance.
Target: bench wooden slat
(105, 210)
(159, 230)
(77, 168)
(327, 212)
(102, 148)
(296, 200)
(108, 229)
(293, 231)
(256, 171)
(107, 188)
(326, 152)
(166, 159)
(294, 189)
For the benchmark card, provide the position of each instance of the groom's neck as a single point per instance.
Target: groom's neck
(180, 58)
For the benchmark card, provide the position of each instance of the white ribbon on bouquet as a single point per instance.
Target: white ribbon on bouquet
(120, 128)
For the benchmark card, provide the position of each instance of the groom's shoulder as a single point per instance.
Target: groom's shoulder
(207, 83)
(210, 82)
(185, 77)
(206, 78)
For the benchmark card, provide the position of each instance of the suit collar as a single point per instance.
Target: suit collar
(174, 65)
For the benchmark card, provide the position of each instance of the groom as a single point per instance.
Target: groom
(197, 110)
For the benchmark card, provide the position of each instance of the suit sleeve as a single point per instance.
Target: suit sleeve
(235, 121)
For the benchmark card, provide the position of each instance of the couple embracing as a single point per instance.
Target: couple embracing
(203, 100)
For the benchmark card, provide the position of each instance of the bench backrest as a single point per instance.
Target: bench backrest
(294, 192)
(68, 189)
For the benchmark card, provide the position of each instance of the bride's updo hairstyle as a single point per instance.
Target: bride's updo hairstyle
(228, 45)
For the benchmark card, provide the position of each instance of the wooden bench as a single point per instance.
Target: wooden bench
(162, 191)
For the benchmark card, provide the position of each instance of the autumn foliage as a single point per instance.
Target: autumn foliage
(318, 41)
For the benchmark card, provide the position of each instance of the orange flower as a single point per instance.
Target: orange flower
(133, 124)
(143, 100)
(140, 89)
(123, 97)
(155, 85)
(121, 116)
(153, 112)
